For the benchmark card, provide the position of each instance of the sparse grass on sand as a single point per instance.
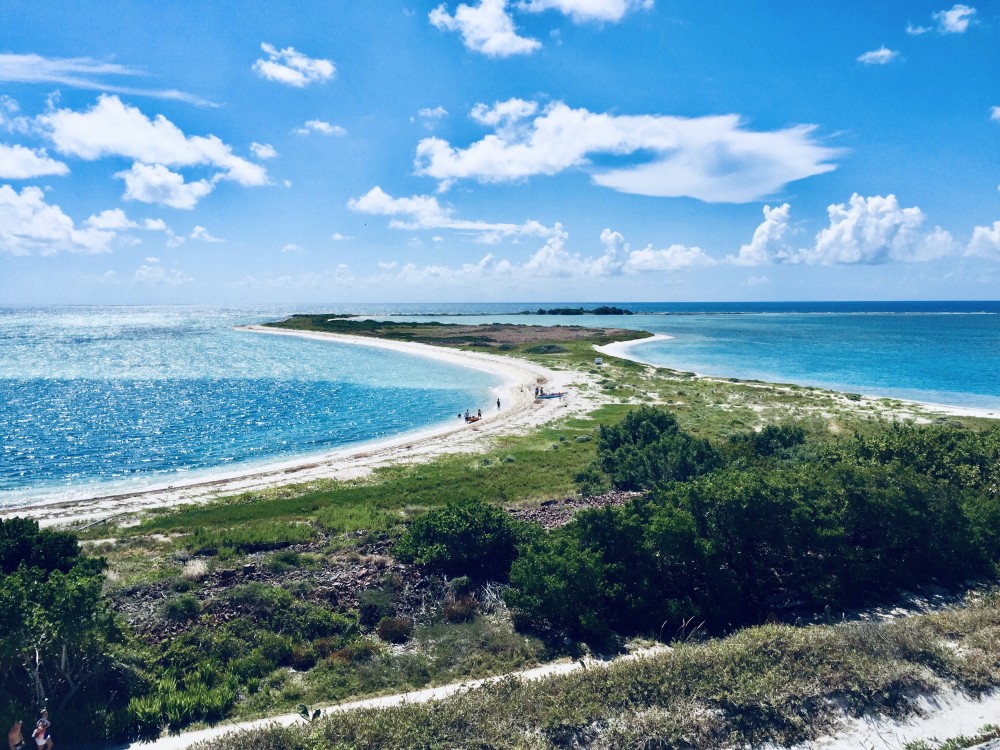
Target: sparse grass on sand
(772, 683)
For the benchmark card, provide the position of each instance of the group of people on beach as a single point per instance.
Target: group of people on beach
(41, 736)
(477, 416)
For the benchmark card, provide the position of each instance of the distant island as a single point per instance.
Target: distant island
(604, 310)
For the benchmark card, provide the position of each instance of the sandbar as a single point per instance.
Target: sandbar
(624, 350)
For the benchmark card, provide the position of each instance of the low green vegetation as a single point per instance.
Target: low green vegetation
(761, 527)
(766, 684)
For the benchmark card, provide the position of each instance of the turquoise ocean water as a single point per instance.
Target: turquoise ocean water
(98, 400)
(101, 400)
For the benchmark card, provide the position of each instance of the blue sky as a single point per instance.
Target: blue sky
(549, 150)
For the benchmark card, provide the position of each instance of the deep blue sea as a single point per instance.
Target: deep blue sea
(104, 399)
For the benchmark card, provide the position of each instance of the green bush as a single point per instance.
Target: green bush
(470, 538)
(395, 629)
(181, 608)
(647, 449)
(374, 605)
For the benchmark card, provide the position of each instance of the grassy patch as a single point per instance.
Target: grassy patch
(765, 684)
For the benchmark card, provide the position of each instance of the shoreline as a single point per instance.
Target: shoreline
(623, 350)
(519, 413)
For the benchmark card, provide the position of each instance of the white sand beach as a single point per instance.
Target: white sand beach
(519, 413)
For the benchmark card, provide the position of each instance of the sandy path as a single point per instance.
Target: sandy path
(553, 669)
(520, 413)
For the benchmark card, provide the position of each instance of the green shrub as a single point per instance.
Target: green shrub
(374, 605)
(395, 629)
(469, 538)
(460, 609)
(181, 608)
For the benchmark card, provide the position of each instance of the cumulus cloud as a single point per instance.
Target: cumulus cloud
(555, 260)
(952, 21)
(985, 242)
(263, 150)
(320, 126)
(955, 20)
(875, 230)
(486, 28)
(21, 163)
(200, 234)
(152, 272)
(881, 56)
(995, 114)
(768, 238)
(713, 158)
(424, 212)
(112, 128)
(154, 183)
(587, 10)
(503, 114)
(291, 67)
(82, 73)
(113, 218)
(291, 247)
(29, 225)
(338, 237)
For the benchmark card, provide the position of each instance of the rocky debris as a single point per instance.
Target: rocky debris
(335, 582)
(552, 514)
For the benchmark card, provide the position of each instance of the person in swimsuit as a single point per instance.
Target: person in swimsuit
(15, 740)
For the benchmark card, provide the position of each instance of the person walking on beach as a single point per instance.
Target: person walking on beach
(498, 403)
(15, 740)
(479, 413)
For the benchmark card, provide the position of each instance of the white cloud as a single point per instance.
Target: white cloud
(424, 212)
(768, 238)
(28, 225)
(10, 119)
(154, 225)
(713, 158)
(995, 114)
(154, 273)
(82, 73)
(955, 20)
(487, 28)
(430, 116)
(263, 150)
(111, 128)
(555, 260)
(201, 234)
(154, 183)
(672, 258)
(588, 10)
(20, 163)
(291, 247)
(113, 219)
(985, 242)
(320, 126)
(881, 56)
(291, 67)
(503, 114)
(435, 113)
(338, 237)
(917, 30)
(875, 230)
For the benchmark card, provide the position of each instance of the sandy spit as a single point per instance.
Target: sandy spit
(519, 413)
(623, 350)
